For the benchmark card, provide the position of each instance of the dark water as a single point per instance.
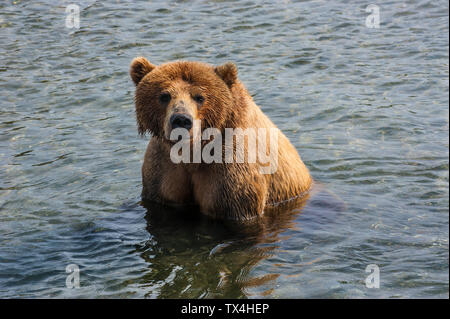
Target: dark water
(367, 108)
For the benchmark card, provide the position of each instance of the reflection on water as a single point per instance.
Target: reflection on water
(192, 256)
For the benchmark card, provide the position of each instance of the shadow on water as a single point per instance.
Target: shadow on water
(192, 256)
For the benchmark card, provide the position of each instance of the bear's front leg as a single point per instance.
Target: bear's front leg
(230, 191)
(163, 181)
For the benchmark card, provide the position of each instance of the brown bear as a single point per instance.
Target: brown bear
(176, 95)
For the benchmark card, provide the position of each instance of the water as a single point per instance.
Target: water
(366, 108)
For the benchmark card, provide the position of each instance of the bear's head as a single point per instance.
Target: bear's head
(175, 94)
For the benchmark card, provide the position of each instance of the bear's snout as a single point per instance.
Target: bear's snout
(182, 120)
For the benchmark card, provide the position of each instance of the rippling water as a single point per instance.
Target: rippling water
(367, 109)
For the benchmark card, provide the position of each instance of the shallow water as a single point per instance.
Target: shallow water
(367, 109)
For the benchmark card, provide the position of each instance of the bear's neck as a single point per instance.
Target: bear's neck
(242, 102)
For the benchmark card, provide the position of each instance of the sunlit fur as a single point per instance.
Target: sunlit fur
(235, 191)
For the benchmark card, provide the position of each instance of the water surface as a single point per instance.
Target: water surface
(367, 110)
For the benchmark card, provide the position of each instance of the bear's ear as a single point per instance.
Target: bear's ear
(227, 72)
(139, 68)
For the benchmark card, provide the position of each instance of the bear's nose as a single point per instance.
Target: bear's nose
(181, 120)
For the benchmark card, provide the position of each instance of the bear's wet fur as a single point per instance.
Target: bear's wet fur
(218, 99)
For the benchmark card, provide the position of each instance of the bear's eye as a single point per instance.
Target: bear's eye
(164, 98)
(199, 99)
